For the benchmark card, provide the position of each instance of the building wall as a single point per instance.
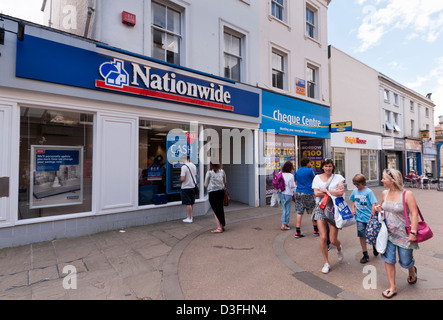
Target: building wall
(354, 92)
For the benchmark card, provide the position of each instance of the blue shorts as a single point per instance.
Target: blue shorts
(405, 255)
(361, 229)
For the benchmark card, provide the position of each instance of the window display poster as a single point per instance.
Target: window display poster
(56, 176)
(178, 146)
(313, 149)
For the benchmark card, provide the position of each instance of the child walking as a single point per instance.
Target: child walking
(363, 206)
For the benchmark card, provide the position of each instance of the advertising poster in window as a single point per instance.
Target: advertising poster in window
(179, 146)
(313, 149)
(56, 176)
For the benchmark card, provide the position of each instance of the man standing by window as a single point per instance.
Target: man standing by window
(188, 181)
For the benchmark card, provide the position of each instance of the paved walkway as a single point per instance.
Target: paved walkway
(253, 259)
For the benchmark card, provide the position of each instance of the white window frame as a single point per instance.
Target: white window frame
(316, 82)
(235, 33)
(314, 24)
(282, 6)
(168, 32)
(284, 69)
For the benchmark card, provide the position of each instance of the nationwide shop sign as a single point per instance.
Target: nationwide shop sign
(56, 176)
(131, 74)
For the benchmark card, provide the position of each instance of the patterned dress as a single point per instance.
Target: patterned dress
(396, 224)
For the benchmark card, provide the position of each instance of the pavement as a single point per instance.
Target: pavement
(252, 260)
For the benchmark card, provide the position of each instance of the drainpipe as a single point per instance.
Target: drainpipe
(88, 19)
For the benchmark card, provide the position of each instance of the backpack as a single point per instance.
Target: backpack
(279, 182)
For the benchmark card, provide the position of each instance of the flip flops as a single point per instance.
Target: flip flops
(413, 280)
(388, 294)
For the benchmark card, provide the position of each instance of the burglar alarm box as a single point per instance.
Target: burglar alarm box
(128, 18)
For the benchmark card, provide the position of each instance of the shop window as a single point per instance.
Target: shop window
(339, 161)
(369, 160)
(55, 170)
(159, 171)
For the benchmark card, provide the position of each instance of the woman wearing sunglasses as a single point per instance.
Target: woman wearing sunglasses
(333, 183)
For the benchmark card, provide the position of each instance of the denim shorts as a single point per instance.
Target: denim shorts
(361, 229)
(405, 255)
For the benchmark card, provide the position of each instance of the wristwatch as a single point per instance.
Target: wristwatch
(414, 233)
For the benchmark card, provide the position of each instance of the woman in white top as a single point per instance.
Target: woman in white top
(215, 181)
(286, 195)
(334, 184)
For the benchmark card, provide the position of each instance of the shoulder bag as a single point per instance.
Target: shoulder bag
(423, 231)
(197, 190)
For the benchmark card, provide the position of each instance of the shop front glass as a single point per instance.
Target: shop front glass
(369, 162)
(55, 170)
(161, 149)
(339, 161)
(278, 149)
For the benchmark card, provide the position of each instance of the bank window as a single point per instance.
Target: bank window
(166, 33)
(311, 22)
(232, 55)
(278, 70)
(312, 81)
(56, 156)
(278, 9)
(369, 162)
(159, 172)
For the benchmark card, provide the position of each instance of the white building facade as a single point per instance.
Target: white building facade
(95, 118)
(355, 98)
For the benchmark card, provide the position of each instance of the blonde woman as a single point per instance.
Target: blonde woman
(398, 240)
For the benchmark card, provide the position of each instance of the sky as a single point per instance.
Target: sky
(402, 39)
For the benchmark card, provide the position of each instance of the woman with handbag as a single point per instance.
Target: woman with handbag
(398, 239)
(323, 183)
(215, 181)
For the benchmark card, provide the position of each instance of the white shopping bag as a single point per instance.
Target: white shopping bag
(382, 238)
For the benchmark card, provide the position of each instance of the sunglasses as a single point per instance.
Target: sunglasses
(390, 174)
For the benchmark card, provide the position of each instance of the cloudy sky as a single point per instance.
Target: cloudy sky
(403, 39)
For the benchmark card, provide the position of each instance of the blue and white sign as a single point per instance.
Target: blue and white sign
(136, 75)
(292, 116)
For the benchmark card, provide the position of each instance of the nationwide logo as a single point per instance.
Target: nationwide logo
(160, 84)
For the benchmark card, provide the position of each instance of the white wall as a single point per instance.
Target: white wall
(354, 92)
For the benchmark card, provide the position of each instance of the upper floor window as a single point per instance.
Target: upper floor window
(311, 23)
(278, 9)
(411, 108)
(386, 95)
(312, 81)
(166, 33)
(396, 99)
(278, 70)
(427, 112)
(232, 55)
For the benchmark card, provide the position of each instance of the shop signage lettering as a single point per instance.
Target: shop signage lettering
(291, 119)
(161, 84)
(353, 140)
(141, 78)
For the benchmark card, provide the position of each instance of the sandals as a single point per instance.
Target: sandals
(413, 279)
(388, 294)
(285, 227)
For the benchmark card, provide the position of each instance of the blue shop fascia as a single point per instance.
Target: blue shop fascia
(292, 129)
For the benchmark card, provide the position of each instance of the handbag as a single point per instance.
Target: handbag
(372, 230)
(226, 198)
(326, 196)
(382, 237)
(196, 189)
(423, 231)
(343, 215)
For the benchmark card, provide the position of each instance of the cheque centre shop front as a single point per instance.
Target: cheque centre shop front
(292, 129)
(101, 133)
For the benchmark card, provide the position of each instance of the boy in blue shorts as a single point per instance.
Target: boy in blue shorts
(363, 206)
